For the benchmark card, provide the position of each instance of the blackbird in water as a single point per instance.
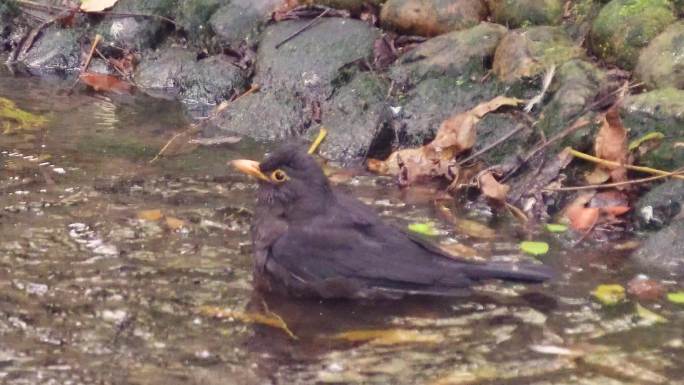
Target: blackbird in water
(311, 240)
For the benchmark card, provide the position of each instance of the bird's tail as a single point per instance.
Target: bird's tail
(526, 272)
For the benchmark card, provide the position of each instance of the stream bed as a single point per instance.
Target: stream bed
(108, 263)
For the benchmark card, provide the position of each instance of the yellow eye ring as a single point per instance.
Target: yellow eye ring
(279, 176)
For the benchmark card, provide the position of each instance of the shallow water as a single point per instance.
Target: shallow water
(91, 292)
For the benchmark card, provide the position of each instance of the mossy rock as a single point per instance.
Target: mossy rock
(242, 20)
(660, 205)
(358, 120)
(137, 33)
(623, 27)
(57, 49)
(661, 111)
(663, 252)
(574, 88)
(661, 64)
(579, 17)
(308, 64)
(527, 52)
(193, 16)
(351, 5)
(523, 13)
(459, 53)
(432, 17)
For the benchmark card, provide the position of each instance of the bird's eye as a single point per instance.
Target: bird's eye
(279, 176)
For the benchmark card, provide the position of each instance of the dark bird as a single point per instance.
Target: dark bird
(311, 240)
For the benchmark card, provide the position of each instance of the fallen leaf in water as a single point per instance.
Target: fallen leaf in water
(611, 144)
(427, 228)
(216, 141)
(107, 83)
(609, 294)
(459, 250)
(465, 226)
(96, 5)
(174, 223)
(534, 248)
(649, 316)
(389, 336)
(556, 227)
(557, 350)
(270, 319)
(645, 289)
(492, 188)
(150, 215)
(676, 297)
(436, 159)
(582, 218)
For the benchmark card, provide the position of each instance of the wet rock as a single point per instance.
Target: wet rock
(660, 205)
(459, 53)
(657, 111)
(423, 108)
(496, 125)
(623, 27)
(56, 50)
(351, 5)
(137, 32)
(177, 72)
(661, 63)
(266, 115)
(432, 17)
(663, 251)
(578, 17)
(574, 88)
(527, 52)
(194, 15)
(358, 120)
(308, 63)
(526, 12)
(9, 15)
(242, 20)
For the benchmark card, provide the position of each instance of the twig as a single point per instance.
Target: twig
(304, 28)
(548, 77)
(492, 145)
(516, 212)
(615, 184)
(86, 63)
(317, 142)
(27, 42)
(123, 75)
(647, 170)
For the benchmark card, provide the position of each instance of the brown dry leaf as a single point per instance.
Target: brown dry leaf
(270, 319)
(612, 203)
(107, 83)
(389, 336)
(174, 223)
(465, 226)
(150, 215)
(455, 135)
(611, 144)
(96, 5)
(646, 289)
(460, 250)
(597, 176)
(492, 188)
(582, 218)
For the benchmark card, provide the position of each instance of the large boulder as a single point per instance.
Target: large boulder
(57, 49)
(193, 17)
(660, 111)
(242, 20)
(135, 32)
(662, 253)
(660, 205)
(527, 52)
(623, 27)
(178, 73)
(308, 63)
(432, 17)
(661, 63)
(460, 53)
(519, 13)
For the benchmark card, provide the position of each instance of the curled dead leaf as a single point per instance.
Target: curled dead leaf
(492, 188)
(611, 144)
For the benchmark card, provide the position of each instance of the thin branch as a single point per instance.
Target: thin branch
(304, 28)
(647, 170)
(615, 184)
(492, 145)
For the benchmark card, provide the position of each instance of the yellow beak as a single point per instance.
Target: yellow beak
(249, 167)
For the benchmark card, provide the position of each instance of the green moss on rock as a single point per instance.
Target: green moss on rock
(661, 64)
(518, 13)
(623, 27)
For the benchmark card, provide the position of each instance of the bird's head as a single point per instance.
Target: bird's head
(291, 183)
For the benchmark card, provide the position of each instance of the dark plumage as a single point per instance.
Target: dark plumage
(310, 240)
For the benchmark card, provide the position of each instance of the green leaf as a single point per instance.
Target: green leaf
(609, 294)
(676, 297)
(427, 228)
(648, 315)
(534, 248)
(556, 227)
(654, 135)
